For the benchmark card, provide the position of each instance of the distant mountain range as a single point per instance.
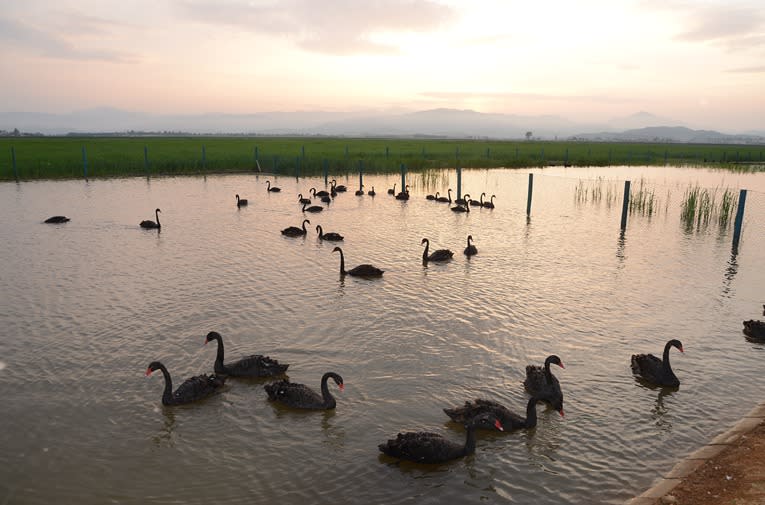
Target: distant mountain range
(441, 123)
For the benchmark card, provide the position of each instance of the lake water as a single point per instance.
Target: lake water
(87, 305)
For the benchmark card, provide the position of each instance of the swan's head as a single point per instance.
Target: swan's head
(306, 221)
(153, 366)
(157, 210)
(338, 380)
(554, 360)
(213, 335)
(424, 241)
(676, 343)
(337, 249)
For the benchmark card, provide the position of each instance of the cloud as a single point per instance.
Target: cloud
(747, 70)
(328, 26)
(736, 25)
(28, 37)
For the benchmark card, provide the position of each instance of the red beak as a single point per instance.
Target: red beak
(561, 365)
(148, 372)
(342, 387)
(498, 425)
(561, 413)
(681, 349)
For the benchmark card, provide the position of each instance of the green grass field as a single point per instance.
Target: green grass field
(23, 158)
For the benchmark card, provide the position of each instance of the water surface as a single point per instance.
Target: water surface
(87, 305)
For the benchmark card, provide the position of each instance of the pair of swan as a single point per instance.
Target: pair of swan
(288, 393)
(427, 447)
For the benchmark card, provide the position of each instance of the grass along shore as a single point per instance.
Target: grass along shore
(25, 158)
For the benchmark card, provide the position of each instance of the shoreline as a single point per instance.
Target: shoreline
(681, 476)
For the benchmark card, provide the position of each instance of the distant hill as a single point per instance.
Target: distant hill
(671, 134)
(439, 123)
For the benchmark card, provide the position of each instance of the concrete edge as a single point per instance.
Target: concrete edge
(693, 461)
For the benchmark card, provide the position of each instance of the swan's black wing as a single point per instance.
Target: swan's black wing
(255, 365)
(422, 447)
(196, 388)
(652, 369)
(294, 395)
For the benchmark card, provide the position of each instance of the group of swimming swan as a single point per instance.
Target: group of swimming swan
(420, 446)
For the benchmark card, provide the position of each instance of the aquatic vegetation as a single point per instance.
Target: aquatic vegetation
(701, 206)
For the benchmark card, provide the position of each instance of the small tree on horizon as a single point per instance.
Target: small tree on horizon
(528, 135)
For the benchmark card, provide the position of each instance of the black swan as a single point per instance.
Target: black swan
(655, 370)
(240, 202)
(540, 382)
(470, 250)
(304, 200)
(332, 236)
(490, 204)
(273, 189)
(392, 191)
(754, 329)
(312, 208)
(432, 197)
(340, 188)
(148, 224)
(360, 191)
(509, 420)
(294, 231)
(478, 203)
(57, 219)
(461, 201)
(364, 270)
(300, 396)
(444, 199)
(464, 207)
(193, 389)
(319, 193)
(326, 199)
(404, 195)
(438, 255)
(255, 365)
(371, 192)
(427, 447)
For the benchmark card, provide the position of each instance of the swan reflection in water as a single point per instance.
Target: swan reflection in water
(660, 414)
(166, 437)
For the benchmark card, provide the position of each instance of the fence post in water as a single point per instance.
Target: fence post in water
(326, 171)
(625, 204)
(297, 167)
(255, 154)
(565, 161)
(459, 181)
(146, 159)
(739, 218)
(204, 156)
(84, 163)
(403, 177)
(361, 176)
(13, 162)
(528, 198)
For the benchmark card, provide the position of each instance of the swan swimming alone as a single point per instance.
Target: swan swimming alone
(300, 396)
(149, 224)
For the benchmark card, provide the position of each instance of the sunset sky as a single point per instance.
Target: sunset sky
(699, 62)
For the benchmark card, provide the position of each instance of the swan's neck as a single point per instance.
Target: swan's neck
(156, 214)
(531, 413)
(342, 272)
(665, 360)
(425, 252)
(219, 355)
(167, 394)
(329, 400)
(469, 441)
(548, 373)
